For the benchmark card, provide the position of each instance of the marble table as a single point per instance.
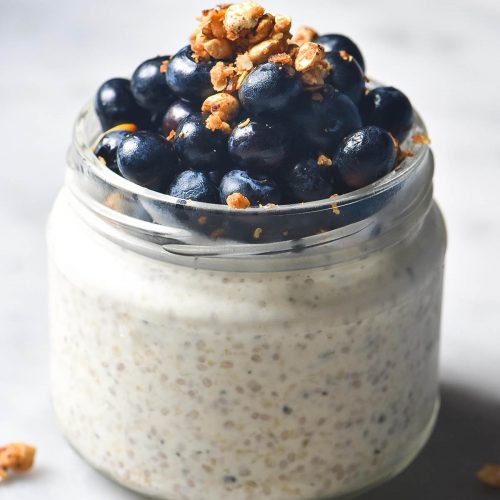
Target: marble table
(445, 57)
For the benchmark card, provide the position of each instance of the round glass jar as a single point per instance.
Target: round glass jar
(285, 353)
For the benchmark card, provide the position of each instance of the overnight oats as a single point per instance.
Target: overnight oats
(246, 268)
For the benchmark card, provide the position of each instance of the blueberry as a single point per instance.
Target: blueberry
(147, 159)
(269, 89)
(388, 108)
(115, 104)
(258, 189)
(308, 181)
(176, 113)
(189, 79)
(148, 84)
(336, 43)
(324, 118)
(260, 146)
(194, 185)
(198, 147)
(107, 147)
(365, 156)
(346, 75)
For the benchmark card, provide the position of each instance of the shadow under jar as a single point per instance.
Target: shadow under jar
(201, 352)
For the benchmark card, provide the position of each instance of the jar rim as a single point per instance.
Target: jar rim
(83, 145)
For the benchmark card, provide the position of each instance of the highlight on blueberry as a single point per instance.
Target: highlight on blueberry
(258, 189)
(107, 145)
(149, 86)
(310, 180)
(365, 156)
(324, 118)
(199, 147)
(188, 78)
(269, 89)
(388, 108)
(114, 104)
(147, 159)
(260, 146)
(195, 186)
(335, 43)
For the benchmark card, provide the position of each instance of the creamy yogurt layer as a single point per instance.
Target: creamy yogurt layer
(193, 384)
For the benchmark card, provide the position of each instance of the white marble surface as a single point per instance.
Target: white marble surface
(443, 54)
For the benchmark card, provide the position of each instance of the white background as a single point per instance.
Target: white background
(443, 54)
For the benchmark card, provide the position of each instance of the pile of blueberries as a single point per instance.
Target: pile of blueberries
(285, 146)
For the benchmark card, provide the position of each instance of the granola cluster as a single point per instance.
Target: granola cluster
(17, 457)
(241, 36)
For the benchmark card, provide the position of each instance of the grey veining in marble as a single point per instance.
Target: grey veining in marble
(443, 54)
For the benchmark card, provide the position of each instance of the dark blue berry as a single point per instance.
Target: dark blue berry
(198, 147)
(194, 185)
(269, 89)
(115, 104)
(260, 146)
(149, 86)
(107, 147)
(346, 75)
(147, 159)
(365, 156)
(308, 181)
(189, 79)
(336, 43)
(176, 113)
(258, 189)
(324, 118)
(388, 108)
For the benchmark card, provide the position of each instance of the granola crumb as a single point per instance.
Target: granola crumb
(324, 161)
(237, 200)
(171, 136)
(214, 122)
(309, 55)
(217, 233)
(240, 17)
(245, 123)
(335, 208)
(243, 62)
(220, 75)
(316, 96)
(257, 233)
(102, 161)
(282, 58)
(489, 475)
(224, 105)
(17, 457)
(113, 200)
(345, 55)
(303, 35)
(261, 52)
(164, 66)
(421, 139)
(202, 220)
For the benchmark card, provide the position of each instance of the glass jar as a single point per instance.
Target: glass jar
(201, 352)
